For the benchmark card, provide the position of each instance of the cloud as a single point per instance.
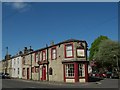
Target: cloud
(19, 5)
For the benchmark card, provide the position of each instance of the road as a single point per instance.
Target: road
(18, 83)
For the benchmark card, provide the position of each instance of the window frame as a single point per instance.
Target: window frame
(65, 51)
(23, 72)
(33, 69)
(77, 52)
(36, 69)
(38, 57)
(69, 73)
(83, 69)
(43, 52)
(54, 48)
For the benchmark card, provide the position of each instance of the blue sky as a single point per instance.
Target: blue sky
(37, 24)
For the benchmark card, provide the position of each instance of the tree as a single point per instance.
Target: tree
(95, 46)
(108, 53)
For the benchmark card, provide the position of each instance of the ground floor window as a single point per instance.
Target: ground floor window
(81, 68)
(69, 70)
(18, 71)
(36, 69)
(23, 72)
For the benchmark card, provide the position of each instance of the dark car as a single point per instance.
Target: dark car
(109, 74)
(6, 76)
(115, 75)
(2, 76)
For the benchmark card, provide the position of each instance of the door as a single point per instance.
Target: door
(27, 73)
(43, 73)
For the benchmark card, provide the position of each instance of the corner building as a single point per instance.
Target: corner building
(62, 62)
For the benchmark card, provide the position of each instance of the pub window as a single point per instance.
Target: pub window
(81, 70)
(69, 68)
(80, 52)
(69, 51)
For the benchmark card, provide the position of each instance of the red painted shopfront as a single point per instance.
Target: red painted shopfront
(75, 71)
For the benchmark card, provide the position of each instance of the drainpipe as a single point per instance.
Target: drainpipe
(39, 66)
(31, 62)
(47, 63)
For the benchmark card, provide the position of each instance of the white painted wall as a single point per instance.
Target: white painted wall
(17, 64)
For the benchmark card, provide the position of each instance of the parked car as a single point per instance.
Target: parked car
(4, 76)
(1, 75)
(108, 74)
(115, 75)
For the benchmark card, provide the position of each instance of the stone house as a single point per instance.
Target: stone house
(62, 62)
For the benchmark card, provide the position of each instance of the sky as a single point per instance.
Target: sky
(38, 23)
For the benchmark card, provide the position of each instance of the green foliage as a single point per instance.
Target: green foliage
(95, 46)
(108, 53)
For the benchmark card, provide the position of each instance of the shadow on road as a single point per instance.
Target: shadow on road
(94, 79)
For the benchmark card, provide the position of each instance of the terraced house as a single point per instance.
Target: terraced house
(63, 62)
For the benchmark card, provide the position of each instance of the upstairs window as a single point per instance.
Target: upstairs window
(69, 51)
(80, 52)
(44, 55)
(36, 57)
(53, 53)
(23, 60)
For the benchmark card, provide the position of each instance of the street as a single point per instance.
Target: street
(19, 83)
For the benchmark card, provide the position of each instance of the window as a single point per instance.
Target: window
(80, 52)
(32, 69)
(36, 57)
(43, 55)
(14, 61)
(81, 70)
(69, 68)
(50, 71)
(36, 69)
(18, 60)
(53, 53)
(23, 60)
(23, 73)
(18, 71)
(69, 50)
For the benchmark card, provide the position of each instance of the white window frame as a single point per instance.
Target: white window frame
(80, 52)
(54, 53)
(81, 68)
(69, 50)
(69, 70)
